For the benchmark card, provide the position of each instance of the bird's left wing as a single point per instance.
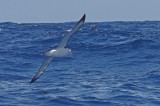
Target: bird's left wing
(42, 69)
(66, 38)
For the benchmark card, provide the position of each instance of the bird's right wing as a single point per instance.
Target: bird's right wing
(42, 69)
(66, 38)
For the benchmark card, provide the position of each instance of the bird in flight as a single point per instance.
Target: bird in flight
(60, 51)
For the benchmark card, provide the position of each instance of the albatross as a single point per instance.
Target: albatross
(60, 51)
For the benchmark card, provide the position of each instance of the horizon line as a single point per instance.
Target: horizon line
(76, 21)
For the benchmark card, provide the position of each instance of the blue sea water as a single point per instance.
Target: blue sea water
(113, 64)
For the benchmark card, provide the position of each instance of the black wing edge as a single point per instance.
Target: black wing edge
(41, 69)
(82, 19)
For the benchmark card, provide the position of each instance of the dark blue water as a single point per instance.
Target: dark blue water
(115, 64)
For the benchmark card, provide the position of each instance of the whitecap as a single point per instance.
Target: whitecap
(1, 29)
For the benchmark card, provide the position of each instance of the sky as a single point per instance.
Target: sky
(57, 11)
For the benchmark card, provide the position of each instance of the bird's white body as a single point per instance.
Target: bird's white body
(59, 52)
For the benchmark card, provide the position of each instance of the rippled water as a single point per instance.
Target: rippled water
(113, 64)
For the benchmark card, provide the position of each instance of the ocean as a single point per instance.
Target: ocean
(113, 64)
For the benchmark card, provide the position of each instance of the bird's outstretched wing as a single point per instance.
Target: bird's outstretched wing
(42, 69)
(66, 38)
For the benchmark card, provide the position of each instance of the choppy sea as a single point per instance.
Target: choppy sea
(113, 64)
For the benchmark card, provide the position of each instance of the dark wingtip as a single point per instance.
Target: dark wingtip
(31, 81)
(34, 79)
(83, 18)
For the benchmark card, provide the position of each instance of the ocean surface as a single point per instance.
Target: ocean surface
(113, 64)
